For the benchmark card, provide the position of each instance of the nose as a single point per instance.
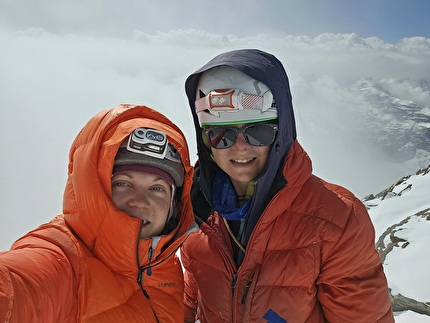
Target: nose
(241, 143)
(138, 200)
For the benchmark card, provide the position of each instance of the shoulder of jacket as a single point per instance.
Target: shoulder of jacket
(328, 202)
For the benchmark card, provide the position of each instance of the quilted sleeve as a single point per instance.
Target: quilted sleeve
(190, 289)
(37, 283)
(352, 286)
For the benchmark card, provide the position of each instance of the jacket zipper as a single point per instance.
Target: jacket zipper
(233, 283)
(150, 255)
(140, 280)
(148, 272)
(250, 242)
(227, 251)
(233, 287)
(140, 269)
(148, 269)
(246, 291)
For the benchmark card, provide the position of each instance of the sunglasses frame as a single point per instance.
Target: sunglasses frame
(237, 131)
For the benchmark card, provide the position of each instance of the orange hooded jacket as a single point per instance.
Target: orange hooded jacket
(311, 258)
(88, 264)
(310, 245)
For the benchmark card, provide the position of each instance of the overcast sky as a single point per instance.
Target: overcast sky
(62, 61)
(389, 20)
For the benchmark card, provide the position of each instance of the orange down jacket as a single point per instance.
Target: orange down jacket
(310, 245)
(88, 264)
(311, 258)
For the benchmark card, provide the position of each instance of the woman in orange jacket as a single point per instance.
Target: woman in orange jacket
(277, 243)
(111, 255)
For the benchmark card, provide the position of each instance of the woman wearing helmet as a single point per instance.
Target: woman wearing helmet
(277, 243)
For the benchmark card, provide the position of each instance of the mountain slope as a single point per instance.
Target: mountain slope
(401, 216)
(398, 117)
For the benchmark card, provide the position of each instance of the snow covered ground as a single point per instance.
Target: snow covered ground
(406, 211)
(411, 317)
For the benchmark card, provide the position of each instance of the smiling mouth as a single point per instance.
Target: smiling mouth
(242, 161)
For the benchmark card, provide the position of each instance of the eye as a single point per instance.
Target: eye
(120, 184)
(158, 188)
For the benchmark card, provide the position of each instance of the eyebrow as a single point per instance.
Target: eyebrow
(120, 173)
(156, 178)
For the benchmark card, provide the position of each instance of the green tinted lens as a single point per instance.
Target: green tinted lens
(258, 134)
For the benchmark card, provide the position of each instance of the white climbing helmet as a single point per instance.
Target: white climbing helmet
(225, 96)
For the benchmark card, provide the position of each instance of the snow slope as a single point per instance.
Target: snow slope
(401, 216)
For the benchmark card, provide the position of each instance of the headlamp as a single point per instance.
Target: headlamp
(229, 100)
(152, 143)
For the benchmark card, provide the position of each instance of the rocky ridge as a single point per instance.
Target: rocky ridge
(398, 237)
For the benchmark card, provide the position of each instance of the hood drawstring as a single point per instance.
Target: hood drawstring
(232, 234)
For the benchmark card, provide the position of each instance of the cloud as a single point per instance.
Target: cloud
(53, 83)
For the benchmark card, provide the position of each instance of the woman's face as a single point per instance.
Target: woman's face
(242, 162)
(145, 196)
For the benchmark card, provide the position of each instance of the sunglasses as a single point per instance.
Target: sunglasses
(257, 134)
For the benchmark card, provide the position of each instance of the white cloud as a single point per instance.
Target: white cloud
(51, 85)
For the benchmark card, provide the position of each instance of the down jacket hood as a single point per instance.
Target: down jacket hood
(109, 233)
(268, 69)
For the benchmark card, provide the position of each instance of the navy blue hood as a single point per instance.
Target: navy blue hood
(265, 68)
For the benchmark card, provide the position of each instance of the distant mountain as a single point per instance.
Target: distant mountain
(401, 216)
(397, 116)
